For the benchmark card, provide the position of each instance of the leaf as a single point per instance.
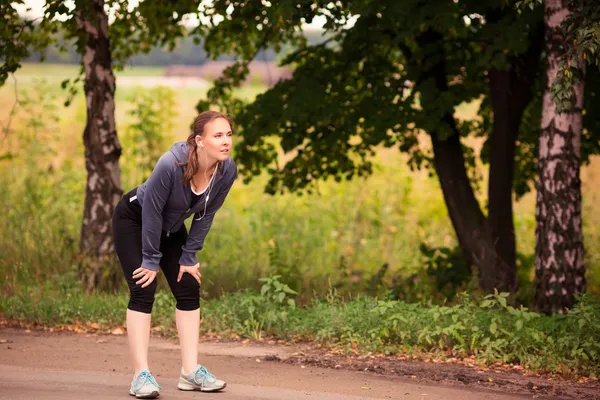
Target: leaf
(486, 303)
(494, 328)
(289, 290)
(519, 324)
(264, 289)
(280, 297)
(502, 300)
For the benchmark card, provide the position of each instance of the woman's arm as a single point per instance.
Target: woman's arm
(200, 228)
(158, 188)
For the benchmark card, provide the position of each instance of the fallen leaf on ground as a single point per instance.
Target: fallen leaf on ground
(117, 331)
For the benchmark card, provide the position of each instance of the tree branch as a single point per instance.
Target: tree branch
(6, 129)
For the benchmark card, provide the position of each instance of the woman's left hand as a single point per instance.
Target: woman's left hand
(193, 270)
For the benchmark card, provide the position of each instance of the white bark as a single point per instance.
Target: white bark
(102, 148)
(559, 249)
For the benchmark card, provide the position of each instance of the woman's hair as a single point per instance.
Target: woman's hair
(192, 165)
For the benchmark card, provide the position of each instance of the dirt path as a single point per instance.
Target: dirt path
(67, 366)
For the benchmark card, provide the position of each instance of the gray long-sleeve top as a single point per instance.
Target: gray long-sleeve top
(165, 202)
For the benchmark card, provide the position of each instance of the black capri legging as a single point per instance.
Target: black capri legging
(127, 234)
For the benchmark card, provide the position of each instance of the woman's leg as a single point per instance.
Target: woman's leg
(188, 328)
(138, 334)
(127, 233)
(187, 316)
(187, 294)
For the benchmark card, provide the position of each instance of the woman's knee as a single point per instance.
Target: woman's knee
(187, 293)
(141, 299)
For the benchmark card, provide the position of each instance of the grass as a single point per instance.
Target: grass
(488, 329)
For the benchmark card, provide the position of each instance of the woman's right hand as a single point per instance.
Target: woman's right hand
(145, 276)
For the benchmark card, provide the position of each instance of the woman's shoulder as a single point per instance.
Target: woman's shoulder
(171, 159)
(229, 169)
(178, 152)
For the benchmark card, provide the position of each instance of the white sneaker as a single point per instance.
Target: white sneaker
(200, 380)
(144, 386)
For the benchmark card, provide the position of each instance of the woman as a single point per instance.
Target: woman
(194, 177)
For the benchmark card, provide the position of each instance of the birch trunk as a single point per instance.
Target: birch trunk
(102, 147)
(559, 268)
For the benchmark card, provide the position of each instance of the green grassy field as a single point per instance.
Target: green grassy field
(337, 238)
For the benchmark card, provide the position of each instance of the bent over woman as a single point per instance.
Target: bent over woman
(192, 178)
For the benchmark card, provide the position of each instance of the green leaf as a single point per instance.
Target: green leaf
(519, 324)
(264, 289)
(280, 297)
(502, 301)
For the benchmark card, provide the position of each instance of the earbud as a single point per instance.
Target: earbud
(201, 144)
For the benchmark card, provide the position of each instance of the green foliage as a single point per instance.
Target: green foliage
(370, 84)
(581, 46)
(18, 37)
(148, 24)
(276, 292)
(447, 268)
(373, 84)
(43, 229)
(581, 32)
(521, 5)
(252, 315)
(13, 39)
(489, 329)
(145, 137)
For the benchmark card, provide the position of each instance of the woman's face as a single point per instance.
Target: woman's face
(216, 143)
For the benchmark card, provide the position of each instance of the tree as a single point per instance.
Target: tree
(572, 38)
(102, 148)
(400, 69)
(559, 263)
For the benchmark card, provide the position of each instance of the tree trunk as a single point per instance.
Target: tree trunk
(510, 93)
(102, 148)
(488, 243)
(464, 211)
(498, 269)
(559, 265)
